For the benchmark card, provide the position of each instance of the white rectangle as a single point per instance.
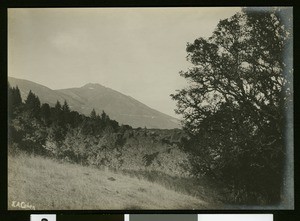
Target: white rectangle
(235, 217)
(42, 217)
(126, 217)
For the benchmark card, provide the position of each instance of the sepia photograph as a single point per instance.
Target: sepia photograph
(163, 108)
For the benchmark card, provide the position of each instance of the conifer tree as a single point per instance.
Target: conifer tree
(65, 107)
(32, 104)
(57, 106)
(93, 114)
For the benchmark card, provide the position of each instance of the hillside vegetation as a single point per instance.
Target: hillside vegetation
(56, 154)
(51, 185)
(60, 133)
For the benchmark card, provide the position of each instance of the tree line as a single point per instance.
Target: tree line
(60, 133)
(29, 118)
(60, 114)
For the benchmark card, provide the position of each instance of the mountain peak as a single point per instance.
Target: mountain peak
(120, 107)
(92, 85)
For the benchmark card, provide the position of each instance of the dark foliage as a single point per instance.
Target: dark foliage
(32, 105)
(234, 109)
(14, 100)
(32, 124)
(61, 133)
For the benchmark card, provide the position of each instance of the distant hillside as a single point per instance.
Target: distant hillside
(45, 94)
(118, 106)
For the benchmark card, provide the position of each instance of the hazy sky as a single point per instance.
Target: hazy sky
(138, 52)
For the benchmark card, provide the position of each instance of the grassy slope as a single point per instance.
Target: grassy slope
(47, 184)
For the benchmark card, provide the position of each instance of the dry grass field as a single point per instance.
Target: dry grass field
(47, 184)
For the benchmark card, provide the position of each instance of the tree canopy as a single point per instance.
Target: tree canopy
(234, 108)
(242, 63)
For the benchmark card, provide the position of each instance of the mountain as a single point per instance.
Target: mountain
(120, 107)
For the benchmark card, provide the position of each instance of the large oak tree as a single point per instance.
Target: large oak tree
(240, 89)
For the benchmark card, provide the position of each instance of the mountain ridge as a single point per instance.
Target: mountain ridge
(120, 107)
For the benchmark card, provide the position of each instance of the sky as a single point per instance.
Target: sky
(136, 51)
